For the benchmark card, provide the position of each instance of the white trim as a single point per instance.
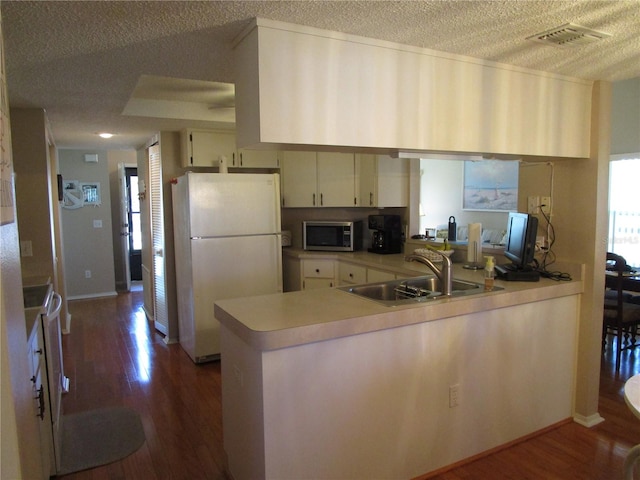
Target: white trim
(92, 295)
(590, 421)
(67, 329)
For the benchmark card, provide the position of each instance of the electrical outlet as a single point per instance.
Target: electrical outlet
(454, 395)
(546, 205)
(87, 274)
(533, 202)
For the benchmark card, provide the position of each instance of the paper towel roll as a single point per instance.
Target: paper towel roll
(474, 247)
(223, 166)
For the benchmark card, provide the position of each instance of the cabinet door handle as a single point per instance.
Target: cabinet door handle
(240, 158)
(351, 275)
(317, 270)
(40, 398)
(39, 351)
(321, 200)
(314, 199)
(370, 198)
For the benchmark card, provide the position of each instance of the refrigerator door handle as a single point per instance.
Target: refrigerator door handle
(279, 263)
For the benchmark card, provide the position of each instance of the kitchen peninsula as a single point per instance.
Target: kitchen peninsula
(324, 384)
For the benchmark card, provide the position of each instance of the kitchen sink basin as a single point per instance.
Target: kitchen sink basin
(411, 290)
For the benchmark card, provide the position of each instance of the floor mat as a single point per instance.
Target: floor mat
(98, 437)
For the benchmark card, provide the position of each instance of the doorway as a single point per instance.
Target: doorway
(134, 231)
(624, 213)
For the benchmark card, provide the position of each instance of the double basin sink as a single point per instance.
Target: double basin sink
(412, 290)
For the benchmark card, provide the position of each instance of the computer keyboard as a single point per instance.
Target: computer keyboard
(511, 273)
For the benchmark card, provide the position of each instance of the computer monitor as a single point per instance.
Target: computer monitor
(522, 229)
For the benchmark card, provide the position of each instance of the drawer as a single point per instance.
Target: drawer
(350, 273)
(318, 269)
(313, 283)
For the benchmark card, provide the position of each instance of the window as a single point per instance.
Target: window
(624, 209)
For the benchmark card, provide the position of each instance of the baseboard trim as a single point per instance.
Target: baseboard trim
(93, 295)
(67, 328)
(491, 451)
(590, 421)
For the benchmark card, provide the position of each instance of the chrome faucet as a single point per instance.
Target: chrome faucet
(444, 274)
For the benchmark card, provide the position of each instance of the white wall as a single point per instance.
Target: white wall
(85, 246)
(19, 429)
(625, 116)
(441, 197)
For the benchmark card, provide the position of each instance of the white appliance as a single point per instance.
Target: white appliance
(227, 245)
(41, 302)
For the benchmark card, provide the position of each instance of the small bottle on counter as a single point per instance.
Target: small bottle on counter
(489, 273)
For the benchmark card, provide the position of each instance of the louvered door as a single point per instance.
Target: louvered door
(161, 316)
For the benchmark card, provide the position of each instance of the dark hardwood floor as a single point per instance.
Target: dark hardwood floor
(114, 357)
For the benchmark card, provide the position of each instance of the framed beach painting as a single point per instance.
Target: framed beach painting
(491, 185)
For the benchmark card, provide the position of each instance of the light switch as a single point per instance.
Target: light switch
(97, 224)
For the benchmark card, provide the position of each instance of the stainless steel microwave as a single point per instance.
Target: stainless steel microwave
(332, 236)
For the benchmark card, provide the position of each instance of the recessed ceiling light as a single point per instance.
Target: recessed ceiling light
(105, 135)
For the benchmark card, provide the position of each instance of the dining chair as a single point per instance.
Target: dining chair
(620, 315)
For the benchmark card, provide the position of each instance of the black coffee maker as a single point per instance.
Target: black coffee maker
(387, 234)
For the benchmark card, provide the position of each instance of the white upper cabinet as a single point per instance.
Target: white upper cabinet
(336, 179)
(382, 181)
(298, 178)
(204, 148)
(386, 96)
(257, 159)
(311, 179)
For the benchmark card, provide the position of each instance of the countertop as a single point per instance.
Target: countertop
(36, 298)
(268, 322)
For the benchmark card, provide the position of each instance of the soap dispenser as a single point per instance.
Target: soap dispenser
(489, 273)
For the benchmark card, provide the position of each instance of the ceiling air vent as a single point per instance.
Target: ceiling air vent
(569, 34)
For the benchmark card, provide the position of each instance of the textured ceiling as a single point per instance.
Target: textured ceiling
(82, 61)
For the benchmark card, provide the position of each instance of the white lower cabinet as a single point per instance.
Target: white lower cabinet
(307, 274)
(375, 275)
(41, 403)
(318, 274)
(351, 274)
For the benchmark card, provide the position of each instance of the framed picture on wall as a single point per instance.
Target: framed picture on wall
(490, 185)
(91, 193)
(71, 195)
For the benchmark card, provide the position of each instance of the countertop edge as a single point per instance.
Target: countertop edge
(377, 317)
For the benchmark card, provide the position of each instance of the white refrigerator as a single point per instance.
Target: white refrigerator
(227, 244)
